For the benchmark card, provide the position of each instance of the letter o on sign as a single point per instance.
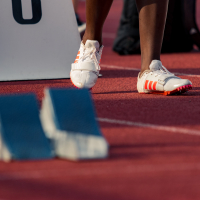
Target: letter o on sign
(18, 15)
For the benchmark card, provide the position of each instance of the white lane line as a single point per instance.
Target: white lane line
(109, 35)
(136, 69)
(126, 170)
(152, 126)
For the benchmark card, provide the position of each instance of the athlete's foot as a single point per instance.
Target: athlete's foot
(158, 80)
(85, 70)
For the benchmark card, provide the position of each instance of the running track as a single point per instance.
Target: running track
(154, 140)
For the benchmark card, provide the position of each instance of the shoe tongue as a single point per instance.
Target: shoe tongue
(92, 44)
(155, 65)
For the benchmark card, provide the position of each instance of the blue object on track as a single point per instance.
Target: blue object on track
(74, 111)
(76, 133)
(22, 136)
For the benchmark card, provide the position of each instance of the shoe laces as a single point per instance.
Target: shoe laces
(162, 70)
(92, 54)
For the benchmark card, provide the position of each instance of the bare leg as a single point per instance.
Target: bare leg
(75, 3)
(96, 13)
(152, 17)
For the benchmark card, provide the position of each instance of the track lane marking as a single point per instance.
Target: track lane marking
(136, 69)
(152, 126)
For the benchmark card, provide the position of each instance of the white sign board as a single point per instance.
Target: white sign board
(39, 39)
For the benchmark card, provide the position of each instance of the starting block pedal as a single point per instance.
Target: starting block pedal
(21, 133)
(68, 119)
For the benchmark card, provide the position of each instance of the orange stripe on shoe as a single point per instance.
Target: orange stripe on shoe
(146, 83)
(150, 85)
(78, 53)
(77, 58)
(154, 85)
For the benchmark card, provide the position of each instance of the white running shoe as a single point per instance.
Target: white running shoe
(158, 80)
(85, 70)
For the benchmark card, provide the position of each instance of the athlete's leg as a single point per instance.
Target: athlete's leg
(85, 69)
(152, 17)
(81, 24)
(154, 77)
(75, 3)
(96, 13)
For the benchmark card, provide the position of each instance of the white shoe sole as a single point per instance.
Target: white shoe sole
(179, 90)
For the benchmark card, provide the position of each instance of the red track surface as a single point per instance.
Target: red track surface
(157, 162)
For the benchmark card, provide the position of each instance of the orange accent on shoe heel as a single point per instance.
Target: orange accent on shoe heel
(154, 85)
(146, 83)
(150, 85)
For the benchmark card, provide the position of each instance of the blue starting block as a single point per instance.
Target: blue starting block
(69, 120)
(21, 133)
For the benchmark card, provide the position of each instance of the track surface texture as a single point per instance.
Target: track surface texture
(154, 140)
